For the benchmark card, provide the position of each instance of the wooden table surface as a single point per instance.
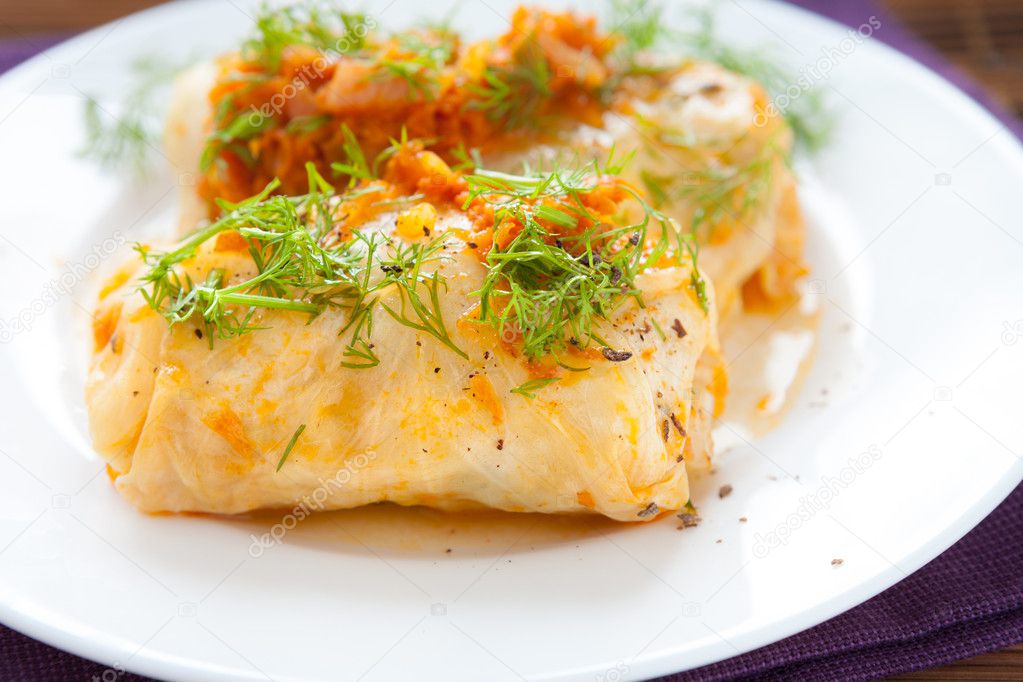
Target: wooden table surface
(984, 37)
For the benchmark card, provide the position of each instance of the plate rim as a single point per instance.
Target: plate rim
(81, 639)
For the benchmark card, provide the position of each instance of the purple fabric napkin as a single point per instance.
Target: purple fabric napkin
(966, 602)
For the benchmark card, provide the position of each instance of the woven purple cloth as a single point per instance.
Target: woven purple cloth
(968, 601)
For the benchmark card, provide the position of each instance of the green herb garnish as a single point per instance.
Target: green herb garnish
(130, 138)
(242, 127)
(712, 191)
(514, 93)
(529, 388)
(550, 284)
(299, 270)
(643, 28)
(290, 446)
(356, 168)
(564, 270)
(318, 24)
(420, 65)
(640, 25)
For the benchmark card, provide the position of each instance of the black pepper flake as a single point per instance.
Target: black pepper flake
(500, 443)
(486, 355)
(198, 333)
(725, 491)
(134, 393)
(711, 89)
(678, 425)
(634, 239)
(447, 551)
(743, 519)
(436, 370)
(391, 269)
(615, 355)
(616, 274)
(473, 245)
(837, 562)
(426, 231)
(679, 329)
(689, 520)
(648, 510)
(680, 458)
(665, 430)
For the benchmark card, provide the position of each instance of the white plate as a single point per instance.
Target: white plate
(916, 249)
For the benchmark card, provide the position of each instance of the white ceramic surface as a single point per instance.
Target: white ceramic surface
(905, 434)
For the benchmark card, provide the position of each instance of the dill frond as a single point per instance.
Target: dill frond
(128, 138)
(513, 93)
(320, 24)
(718, 192)
(552, 284)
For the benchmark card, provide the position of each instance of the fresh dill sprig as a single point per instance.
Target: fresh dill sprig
(125, 140)
(356, 168)
(564, 270)
(551, 283)
(657, 326)
(697, 282)
(290, 446)
(639, 24)
(513, 93)
(320, 24)
(717, 193)
(242, 127)
(529, 388)
(427, 316)
(642, 28)
(297, 270)
(307, 124)
(467, 159)
(128, 139)
(420, 60)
